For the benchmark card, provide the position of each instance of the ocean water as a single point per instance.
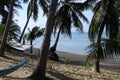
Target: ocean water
(76, 44)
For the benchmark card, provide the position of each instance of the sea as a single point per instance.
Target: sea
(77, 43)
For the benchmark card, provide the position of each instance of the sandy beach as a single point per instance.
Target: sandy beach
(72, 67)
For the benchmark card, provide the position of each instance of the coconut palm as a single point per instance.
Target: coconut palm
(13, 33)
(36, 32)
(32, 10)
(39, 72)
(4, 9)
(105, 17)
(68, 15)
(9, 19)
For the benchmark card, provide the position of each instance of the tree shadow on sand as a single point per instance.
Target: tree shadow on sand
(12, 78)
(64, 75)
(60, 75)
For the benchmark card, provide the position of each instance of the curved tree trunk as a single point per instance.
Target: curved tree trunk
(39, 72)
(97, 63)
(56, 42)
(28, 19)
(3, 43)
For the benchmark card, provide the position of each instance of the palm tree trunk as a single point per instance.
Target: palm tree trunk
(39, 72)
(31, 51)
(56, 42)
(97, 63)
(28, 19)
(3, 43)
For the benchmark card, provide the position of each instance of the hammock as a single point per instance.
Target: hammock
(19, 47)
(13, 68)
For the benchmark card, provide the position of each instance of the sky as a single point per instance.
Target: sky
(21, 19)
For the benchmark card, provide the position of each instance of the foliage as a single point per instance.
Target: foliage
(32, 10)
(4, 9)
(110, 49)
(34, 33)
(33, 6)
(68, 15)
(106, 18)
(13, 34)
(66, 61)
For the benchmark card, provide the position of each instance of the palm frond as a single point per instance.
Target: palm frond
(40, 32)
(92, 52)
(81, 6)
(29, 9)
(112, 22)
(77, 23)
(97, 20)
(44, 4)
(34, 33)
(111, 48)
(79, 13)
(35, 10)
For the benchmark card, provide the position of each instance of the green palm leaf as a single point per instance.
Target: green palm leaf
(34, 33)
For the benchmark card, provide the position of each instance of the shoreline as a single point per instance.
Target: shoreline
(81, 58)
(72, 56)
(72, 52)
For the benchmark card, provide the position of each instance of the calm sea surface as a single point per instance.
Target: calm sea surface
(76, 44)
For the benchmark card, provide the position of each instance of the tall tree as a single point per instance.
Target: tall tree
(71, 18)
(3, 43)
(4, 9)
(33, 34)
(32, 10)
(106, 16)
(39, 72)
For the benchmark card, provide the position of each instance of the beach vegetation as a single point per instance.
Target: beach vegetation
(40, 70)
(105, 20)
(66, 60)
(36, 32)
(33, 11)
(13, 33)
(4, 38)
(5, 9)
(68, 15)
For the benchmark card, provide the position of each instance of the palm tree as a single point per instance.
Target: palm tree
(33, 34)
(71, 17)
(32, 10)
(4, 9)
(13, 33)
(9, 19)
(105, 17)
(39, 72)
